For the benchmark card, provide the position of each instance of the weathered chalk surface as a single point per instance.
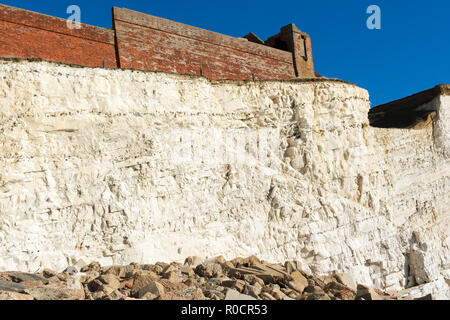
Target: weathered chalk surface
(121, 166)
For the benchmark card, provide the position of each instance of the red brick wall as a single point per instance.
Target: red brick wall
(25, 34)
(144, 42)
(299, 43)
(303, 58)
(149, 43)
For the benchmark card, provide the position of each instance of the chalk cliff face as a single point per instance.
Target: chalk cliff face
(121, 166)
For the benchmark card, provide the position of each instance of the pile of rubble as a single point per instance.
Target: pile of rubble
(217, 279)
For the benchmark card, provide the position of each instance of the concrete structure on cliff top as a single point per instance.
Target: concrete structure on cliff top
(123, 166)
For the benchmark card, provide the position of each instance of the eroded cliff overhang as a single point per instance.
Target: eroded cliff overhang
(408, 112)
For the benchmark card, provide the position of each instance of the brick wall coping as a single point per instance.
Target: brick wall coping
(184, 30)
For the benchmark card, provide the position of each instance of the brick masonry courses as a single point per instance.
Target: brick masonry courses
(144, 42)
(25, 34)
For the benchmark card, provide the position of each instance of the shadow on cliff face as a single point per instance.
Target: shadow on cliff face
(412, 120)
(419, 266)
(416, 111)
(410, 280)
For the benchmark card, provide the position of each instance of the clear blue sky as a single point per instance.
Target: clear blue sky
(409, 54)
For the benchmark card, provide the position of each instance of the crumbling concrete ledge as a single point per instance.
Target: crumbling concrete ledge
(417, 110)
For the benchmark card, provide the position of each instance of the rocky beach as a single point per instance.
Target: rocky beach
(195, 279)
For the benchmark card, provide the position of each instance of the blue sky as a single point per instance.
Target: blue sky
(409, 54)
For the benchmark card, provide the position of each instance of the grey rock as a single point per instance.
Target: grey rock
(267, 296)
(290, 266)
(214, 294)
(253, 290)
(110, 280)
(366, 293)
(209, 270)
(317, 296)
(52, 293)
(187, 270)
(346, 280)
(95, 285)
(235, 295)
(25, 277)
(314, 290)
(163, 265)
(193, 261)
(153, 268)
(336, 286)
(89, 276)
(234, 284)
(48, 273)
(129, 270)
(93, 266)
(118, 271)
(169, 269)
(149, 296)
(298, 282)
(9, 295)
(115, 295)
(80, 264)
(172, 276)
(72, 270)
(153, 287)
(11, 286)
(142, 279)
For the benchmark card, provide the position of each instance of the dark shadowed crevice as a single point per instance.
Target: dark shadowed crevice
(407, 112)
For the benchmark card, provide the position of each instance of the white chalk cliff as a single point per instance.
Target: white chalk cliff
(123, 166)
